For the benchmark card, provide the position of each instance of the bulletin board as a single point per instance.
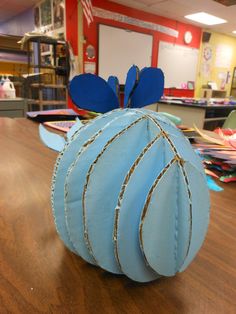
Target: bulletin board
(119, 49)
(179, 64)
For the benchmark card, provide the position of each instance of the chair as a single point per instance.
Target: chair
(230, 122)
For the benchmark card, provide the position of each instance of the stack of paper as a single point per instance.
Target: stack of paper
(219, 158)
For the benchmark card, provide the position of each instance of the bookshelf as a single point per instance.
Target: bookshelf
(48, 58)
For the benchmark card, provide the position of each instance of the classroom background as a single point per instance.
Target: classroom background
(191, 56)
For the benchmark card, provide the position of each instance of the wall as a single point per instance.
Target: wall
(72, 24)
(72, 31)
(19, 25)
(217, 61)
(91, 32)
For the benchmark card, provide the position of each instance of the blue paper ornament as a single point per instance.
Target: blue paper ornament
(129, 193)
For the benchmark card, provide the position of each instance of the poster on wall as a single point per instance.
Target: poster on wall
(46, 13)
(58, 13)
(206, 63)
(224, 54)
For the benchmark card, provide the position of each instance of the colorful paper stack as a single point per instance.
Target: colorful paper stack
(219, 156)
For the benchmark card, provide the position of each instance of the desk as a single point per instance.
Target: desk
(203, 116)
(13, 108)
(39, 275)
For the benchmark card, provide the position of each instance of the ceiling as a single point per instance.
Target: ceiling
(174, 9)
(177, 9)
(11, 8)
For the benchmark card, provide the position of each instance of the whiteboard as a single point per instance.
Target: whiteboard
(179, 63)
(119, 49)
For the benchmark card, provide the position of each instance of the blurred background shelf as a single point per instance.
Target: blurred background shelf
(42, 85)
(50, 60)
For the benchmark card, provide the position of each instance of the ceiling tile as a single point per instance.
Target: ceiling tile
(177, 9)
(130, 3)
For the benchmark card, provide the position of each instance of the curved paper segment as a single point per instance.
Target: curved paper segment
(91, 92)
(77, 126)
(200, 211)
(64, 160)
(163, 122)
(162, 118)
(150, 88)
(131, 202)
(100, 200)
(174, 223)
(51, 140)
(130, 83)
(184, 149)
(165, 229)
(176, 120)
(76, 178)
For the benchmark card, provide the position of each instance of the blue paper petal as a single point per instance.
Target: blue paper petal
(149, 89)
(131, 82)
(51, 140)
(113, 82)
(91, 92)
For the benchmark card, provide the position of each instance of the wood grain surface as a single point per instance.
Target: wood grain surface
(39, 275)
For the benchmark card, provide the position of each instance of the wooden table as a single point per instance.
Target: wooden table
(39, 275)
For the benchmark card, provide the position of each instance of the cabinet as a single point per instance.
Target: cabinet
(212, 93)
(48, 59)
(203, 116)
(233, 85)
(13, 108)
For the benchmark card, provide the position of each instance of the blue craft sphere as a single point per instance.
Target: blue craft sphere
(129, 195)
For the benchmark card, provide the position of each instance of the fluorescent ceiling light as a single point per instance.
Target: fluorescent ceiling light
(205, 18)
